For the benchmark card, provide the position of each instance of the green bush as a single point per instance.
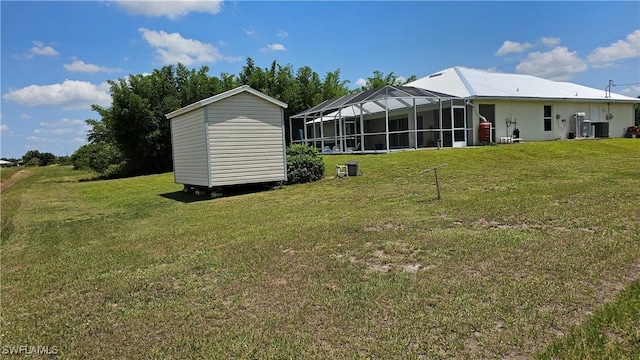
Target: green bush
(115, 171)
(97, 157)
(304, 164)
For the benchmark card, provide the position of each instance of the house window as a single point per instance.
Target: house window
(547, 118)
(399, 124)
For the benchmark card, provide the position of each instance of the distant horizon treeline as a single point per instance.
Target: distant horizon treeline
(132, 136)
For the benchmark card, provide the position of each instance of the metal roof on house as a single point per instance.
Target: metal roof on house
(224, 95)
(374, 101)
(472, 83)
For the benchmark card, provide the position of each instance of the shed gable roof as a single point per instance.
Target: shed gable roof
(224, 95)
(473, 83)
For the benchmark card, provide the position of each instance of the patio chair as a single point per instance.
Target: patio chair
(341, 171)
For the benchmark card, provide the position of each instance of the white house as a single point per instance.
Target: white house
(233, 138)
(446, 108)
(541, 109)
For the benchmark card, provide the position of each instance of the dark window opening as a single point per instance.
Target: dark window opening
(547, 118)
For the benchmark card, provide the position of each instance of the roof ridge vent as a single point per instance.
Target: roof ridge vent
(434, 75)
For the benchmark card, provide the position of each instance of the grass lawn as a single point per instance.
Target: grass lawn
(533, 251)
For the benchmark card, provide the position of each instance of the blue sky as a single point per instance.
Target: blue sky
(56, 56)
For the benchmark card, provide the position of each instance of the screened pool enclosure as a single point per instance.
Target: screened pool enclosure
(383, 120)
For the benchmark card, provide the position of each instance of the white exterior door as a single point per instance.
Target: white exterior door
(458, 114)
(595, 114)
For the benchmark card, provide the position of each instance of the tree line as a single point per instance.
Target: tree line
(37, 158)
(132, 136)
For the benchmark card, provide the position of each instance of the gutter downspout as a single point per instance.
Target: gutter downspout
(484, 119)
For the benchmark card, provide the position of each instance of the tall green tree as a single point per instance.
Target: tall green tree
(333, 87)
(36, 158)
(310, 87)
(30, 155)
(228, 81)
(379, 79)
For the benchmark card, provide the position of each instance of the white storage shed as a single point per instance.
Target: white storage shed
(233, 138)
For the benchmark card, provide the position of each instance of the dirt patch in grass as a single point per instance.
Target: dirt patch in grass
(609, 288)
(381, 261)
(7, 183)
(484, 223)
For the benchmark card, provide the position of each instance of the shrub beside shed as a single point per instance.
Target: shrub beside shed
(233, 138)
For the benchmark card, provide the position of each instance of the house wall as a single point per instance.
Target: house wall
(529, 116)
(246, 143)
(189, 148)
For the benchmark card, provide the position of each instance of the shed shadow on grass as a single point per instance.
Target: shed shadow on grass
(184, 197)
(228, 191)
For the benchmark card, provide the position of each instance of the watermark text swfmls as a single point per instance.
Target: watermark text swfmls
(29, 350)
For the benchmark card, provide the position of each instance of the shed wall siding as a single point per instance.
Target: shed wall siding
(245, 141)
(190, 149)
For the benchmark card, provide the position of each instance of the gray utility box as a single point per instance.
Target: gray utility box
(352, 168)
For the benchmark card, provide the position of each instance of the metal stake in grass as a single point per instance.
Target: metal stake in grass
(435, 171)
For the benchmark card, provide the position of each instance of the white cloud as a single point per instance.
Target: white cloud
(249, 32)
(513, 47)
(361, 82)
(4, 129)
(81, 66)
(62, 127)
(62, 122)
(39, 139)
(282, 34)
(173, 48)
(25, 116)
(275, 47)
(550, 41)
(41, 49)
(78, 140)
(171, 9)
(631, 91)
(59, 131)
(70, 94)
(621, 49)
(557, 64)
(38, 49)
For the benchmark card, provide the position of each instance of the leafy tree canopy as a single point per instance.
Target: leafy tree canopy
(134, 133)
